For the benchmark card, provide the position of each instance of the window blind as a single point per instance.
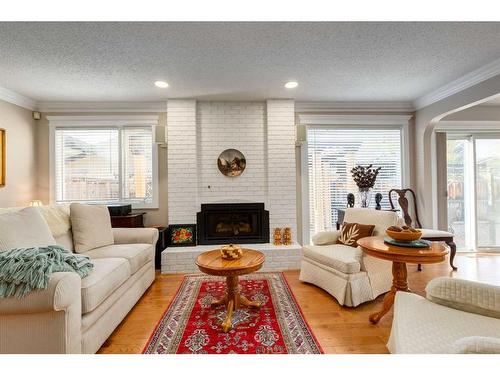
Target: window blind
(137, 164)
(103, 165)
(332, 153)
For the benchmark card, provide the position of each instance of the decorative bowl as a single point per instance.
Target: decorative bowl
(231, 252)
(404, 236)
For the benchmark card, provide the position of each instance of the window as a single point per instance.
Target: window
(333, 152)
(105, 164)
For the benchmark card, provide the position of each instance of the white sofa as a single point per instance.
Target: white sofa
(457, 316)
(76, 315)
(344, 271)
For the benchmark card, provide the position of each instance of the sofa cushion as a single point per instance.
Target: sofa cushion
(24, 228)
(137, 254)
(343, 258)
(422, 327)
(107, 276)
(91, 227)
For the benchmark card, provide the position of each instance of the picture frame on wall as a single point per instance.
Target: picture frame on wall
(181, 235)
(2, 156)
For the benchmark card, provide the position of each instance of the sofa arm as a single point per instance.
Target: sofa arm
(477, 345)
(63, 291)
(465, 295)
(325, 238)
(45, 321)
(135, 235)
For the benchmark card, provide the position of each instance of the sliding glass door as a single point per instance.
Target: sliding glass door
(487, 165)
(473, 174)
(458, 191)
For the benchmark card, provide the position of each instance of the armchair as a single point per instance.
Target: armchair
(457, 316)
(345, 272)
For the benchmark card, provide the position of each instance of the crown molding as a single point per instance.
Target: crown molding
(17, 99)
(104, 120)
(332, 107)
(470, 79)
(111, 107)
(356, 119)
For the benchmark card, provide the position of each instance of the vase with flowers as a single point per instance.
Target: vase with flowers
(365, 178)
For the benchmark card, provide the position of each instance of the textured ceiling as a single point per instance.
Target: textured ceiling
(331, 61)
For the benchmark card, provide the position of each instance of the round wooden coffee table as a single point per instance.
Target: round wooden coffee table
(212, 263)
(376, 247)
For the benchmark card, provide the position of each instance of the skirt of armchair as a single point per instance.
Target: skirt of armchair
(348, 289)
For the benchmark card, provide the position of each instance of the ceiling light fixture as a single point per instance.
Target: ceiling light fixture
(291, 85)
(161, 84)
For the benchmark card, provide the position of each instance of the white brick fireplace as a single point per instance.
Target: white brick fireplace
(197, 132)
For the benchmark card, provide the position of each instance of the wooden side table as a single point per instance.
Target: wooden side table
(212, 263)
(132, 220)
(376, 247)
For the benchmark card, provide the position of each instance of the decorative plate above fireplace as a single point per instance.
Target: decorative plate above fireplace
(231, 162)
(225, 223)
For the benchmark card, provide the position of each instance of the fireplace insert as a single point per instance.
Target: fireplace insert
(224, 223)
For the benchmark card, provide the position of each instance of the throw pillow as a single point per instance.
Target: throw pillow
(91, 227)
(24, 228)
(325, 238)
(352, 232)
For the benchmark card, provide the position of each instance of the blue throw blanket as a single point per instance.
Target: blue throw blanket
(26, 269)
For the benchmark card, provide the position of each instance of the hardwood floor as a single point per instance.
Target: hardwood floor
(338, 329)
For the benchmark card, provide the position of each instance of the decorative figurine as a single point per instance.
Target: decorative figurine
(277, 236)
(350, 200)
(287, 236)
(378, 199)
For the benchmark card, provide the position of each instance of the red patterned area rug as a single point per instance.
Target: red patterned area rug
(192, 326)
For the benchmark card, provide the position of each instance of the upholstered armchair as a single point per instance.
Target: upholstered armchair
(344, 271)
(457, 316)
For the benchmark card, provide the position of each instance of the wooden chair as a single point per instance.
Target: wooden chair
(427, 234)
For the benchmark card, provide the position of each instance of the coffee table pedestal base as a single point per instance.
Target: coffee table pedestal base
(399, 283)
(233, 300)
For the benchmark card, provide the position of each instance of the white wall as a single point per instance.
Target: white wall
(425, 163)
(476, 113)
(21, 171)
(263, 131)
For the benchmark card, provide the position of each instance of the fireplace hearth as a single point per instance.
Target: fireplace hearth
(239, 223)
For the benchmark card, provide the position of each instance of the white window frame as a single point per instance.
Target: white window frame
(96, 122)
(333, 121)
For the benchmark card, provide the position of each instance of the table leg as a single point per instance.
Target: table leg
(246, 302)
(453, 250)
(232, 299)
(399, 283)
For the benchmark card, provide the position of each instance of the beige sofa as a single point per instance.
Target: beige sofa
(345, 272)
(457, 316)
(76, 315)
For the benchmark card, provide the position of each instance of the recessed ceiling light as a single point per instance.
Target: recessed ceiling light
(161, 84)
(291, 85)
